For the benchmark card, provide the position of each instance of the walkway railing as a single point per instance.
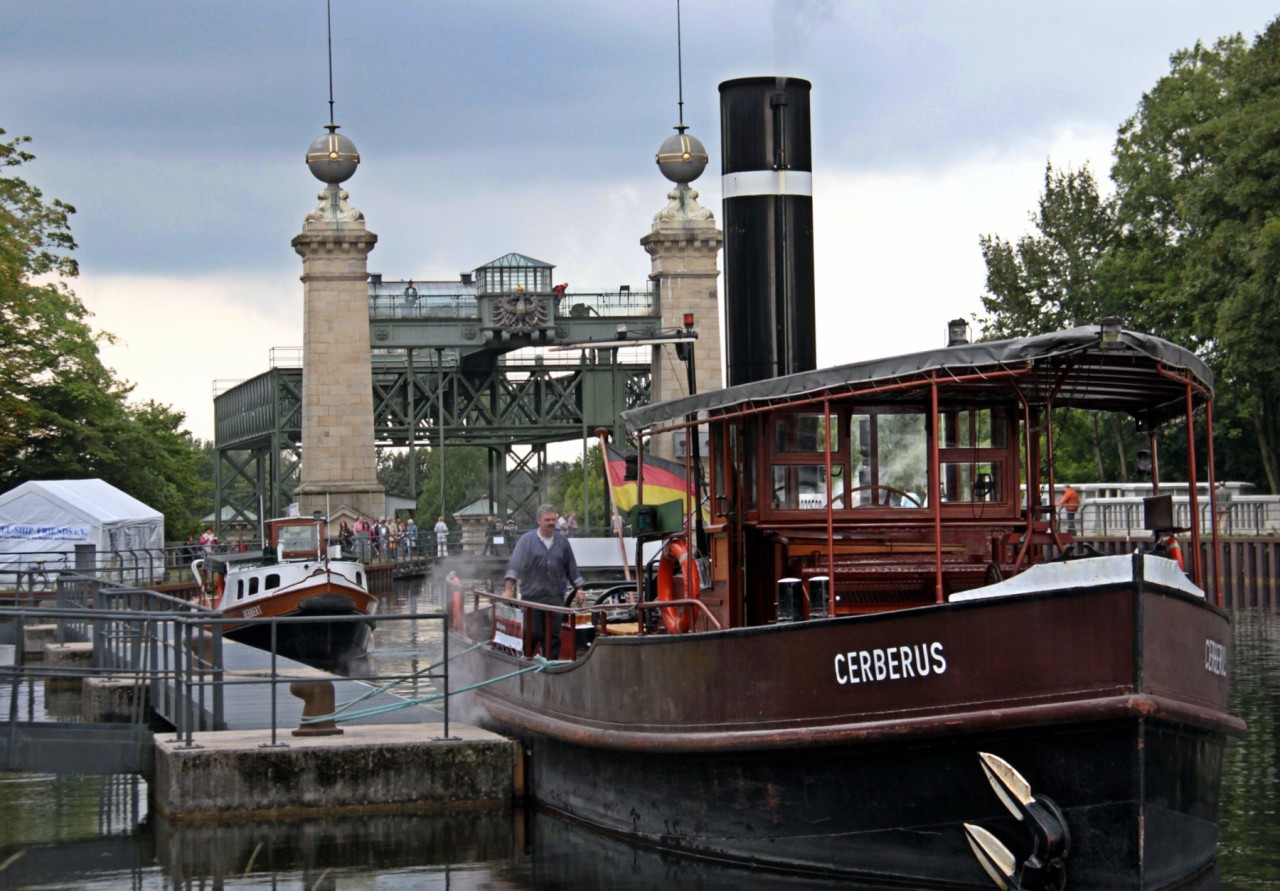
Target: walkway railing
(1250, 515)
(170, 658)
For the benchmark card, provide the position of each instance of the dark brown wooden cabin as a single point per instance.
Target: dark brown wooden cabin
(918, 492)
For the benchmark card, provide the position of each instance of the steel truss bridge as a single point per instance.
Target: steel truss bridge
(446, 372)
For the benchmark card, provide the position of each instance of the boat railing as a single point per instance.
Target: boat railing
(597, 616)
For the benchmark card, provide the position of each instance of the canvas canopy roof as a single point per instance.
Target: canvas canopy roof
(1073, 368)
(47, 517)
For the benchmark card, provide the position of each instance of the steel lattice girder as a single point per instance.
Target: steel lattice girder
(258, 424)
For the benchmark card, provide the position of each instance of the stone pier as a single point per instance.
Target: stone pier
(384, 768)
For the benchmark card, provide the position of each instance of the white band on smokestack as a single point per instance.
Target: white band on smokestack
(746, 183)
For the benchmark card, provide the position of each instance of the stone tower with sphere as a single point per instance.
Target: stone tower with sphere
(683, 246)
(339, 463)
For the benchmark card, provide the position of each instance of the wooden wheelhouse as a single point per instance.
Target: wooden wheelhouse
(908, 480)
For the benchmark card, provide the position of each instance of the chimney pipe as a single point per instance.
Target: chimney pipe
(768, 227)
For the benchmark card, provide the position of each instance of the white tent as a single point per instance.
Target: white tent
(91, 522)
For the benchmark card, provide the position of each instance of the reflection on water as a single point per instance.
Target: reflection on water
(1249, 843)
(94, 833)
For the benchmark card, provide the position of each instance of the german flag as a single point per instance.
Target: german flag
(664, 481)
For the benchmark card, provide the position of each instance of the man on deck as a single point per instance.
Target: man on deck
(544, 565)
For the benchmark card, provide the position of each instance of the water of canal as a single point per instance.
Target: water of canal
(95, 833)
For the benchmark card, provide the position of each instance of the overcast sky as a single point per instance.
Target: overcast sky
(178, 131)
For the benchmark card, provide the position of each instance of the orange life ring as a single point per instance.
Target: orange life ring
(1174, 550)
(676, 554)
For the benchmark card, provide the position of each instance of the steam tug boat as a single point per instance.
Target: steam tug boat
(881, 655)
(295, 575)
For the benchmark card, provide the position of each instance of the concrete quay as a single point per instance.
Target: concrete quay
(384, 768)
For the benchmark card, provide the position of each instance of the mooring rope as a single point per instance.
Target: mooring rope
(421, 700)
(391, 685)
(540, 665)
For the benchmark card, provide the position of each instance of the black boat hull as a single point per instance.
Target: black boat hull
(791, 748)
(897, 811)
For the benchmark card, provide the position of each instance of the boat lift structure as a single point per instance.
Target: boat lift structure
(454, 364)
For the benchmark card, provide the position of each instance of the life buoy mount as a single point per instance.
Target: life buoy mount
(1172, 549)
(677, 580)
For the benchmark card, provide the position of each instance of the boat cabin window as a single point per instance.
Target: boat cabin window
(974, 428)
(890, 450)
(971, 481)
(805, 486)
(804, 433)
(297, 538)
(273, 581)
(971, 452)
(253, 585)
(239, 589)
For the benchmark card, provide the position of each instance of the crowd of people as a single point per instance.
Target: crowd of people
(386, 539)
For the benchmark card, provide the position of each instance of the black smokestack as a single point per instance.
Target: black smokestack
(768, 227)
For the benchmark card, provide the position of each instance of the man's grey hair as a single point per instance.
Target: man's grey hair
(544, 509)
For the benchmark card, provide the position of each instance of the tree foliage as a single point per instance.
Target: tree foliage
(567, 488)
(466, 478)
(1187, 247)
(1051, 281)
(63, 413)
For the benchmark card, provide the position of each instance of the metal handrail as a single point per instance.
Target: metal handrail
(587, 610)
(178, 648)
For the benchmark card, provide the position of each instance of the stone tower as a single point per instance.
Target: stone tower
(339, 464)
(683, 246)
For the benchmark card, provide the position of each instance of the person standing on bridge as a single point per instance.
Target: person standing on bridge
(1070, 505)
(544, 565)
(442, 538)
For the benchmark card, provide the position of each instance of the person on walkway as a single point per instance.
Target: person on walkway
(509, 534)
(442, 538)
(411, 537)
(543, 564)
(571, 528)
(492, 537)
(1070, 504)
(1222, 500)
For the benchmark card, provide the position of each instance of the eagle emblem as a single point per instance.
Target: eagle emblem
(520, 312)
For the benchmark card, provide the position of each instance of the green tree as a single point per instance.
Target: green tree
(466, 478)
(1050, 281)
(55, 393)
(1054, 280)
(1188, 248)
(1197, 185)
(62, 412)
(566, 490)
(152, 458)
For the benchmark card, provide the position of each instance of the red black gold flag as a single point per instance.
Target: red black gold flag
(663, 480)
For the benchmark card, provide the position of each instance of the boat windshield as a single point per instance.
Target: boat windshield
(298, 538)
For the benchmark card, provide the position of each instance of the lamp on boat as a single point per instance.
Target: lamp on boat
(957, 332)
(790, 606)
(688, 321)
(1111, 327)
(1144, 462)
(819, 592)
